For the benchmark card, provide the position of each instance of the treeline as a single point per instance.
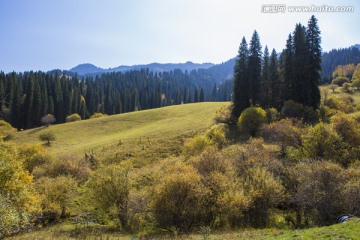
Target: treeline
(336, 57)
(269, 81)
(27, 97)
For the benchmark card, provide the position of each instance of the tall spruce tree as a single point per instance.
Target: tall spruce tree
(202, 95)
(196, 95)
(313, 63)
(300, 83)
(275, 83)
(254, 69)
(265, 80)
(28, 101)
(288, 71)
(36, 105)
(241, 82)
(16, 111)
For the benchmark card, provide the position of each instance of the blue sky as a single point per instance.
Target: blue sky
(49, 34)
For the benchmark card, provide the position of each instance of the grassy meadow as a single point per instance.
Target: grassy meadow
(70, 231)
(155, 133)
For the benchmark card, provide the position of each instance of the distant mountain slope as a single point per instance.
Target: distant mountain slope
(90, 69)
(86, 68)
(223, 71)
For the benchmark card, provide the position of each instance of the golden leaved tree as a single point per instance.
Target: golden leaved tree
(18, 200)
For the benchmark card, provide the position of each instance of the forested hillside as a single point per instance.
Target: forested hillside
(336, 57)
(27, 97)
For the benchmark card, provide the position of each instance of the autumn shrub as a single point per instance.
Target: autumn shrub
(232, 201)
(140, 217)
(210, 160)
(108, 188)
(346, 87)
(343, 103)
(349, 131)
(98, 115)
(266, 192)
(257, 181)
(348, 128)
(286, 132)
(179, 198)
(254, 154)
(217, 135)
(292, 109)
(322, 142)
(340, 81)
(34, 156)
(350, 191)
(318, 192)
(6, 130)
(356, 83)
(223, 115)
(325, 113)
(225, 201)
(272, 115)
(310, 115)
(66, 165)
(195, 146)
(356, 116)
(73, 118)
(59, 194)
(251, 120)
(19, 201)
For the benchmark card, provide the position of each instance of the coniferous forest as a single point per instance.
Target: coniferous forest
(269, 82)
(27, 97)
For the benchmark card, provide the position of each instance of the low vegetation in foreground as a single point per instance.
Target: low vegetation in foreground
(198, 177)
(69, 230)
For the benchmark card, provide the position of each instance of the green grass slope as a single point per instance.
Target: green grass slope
(67, 231)
(158, 128)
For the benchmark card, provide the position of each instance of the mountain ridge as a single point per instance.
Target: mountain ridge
(88, 68)
(226, 66)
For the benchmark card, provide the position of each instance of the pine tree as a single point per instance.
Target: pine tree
(185, 95)
(202, 96)
(254, 68)
(241, 84)
(36, 105)
(58, 100)
(44, 100)
(299, 86)
(275, 83)
(51, 107)
(288, 72)
(265, 81)
(29, 101)
(16, 107)
(75, 100)
(313, 62)
(196, 96)
(67, 97)
(214, 97)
